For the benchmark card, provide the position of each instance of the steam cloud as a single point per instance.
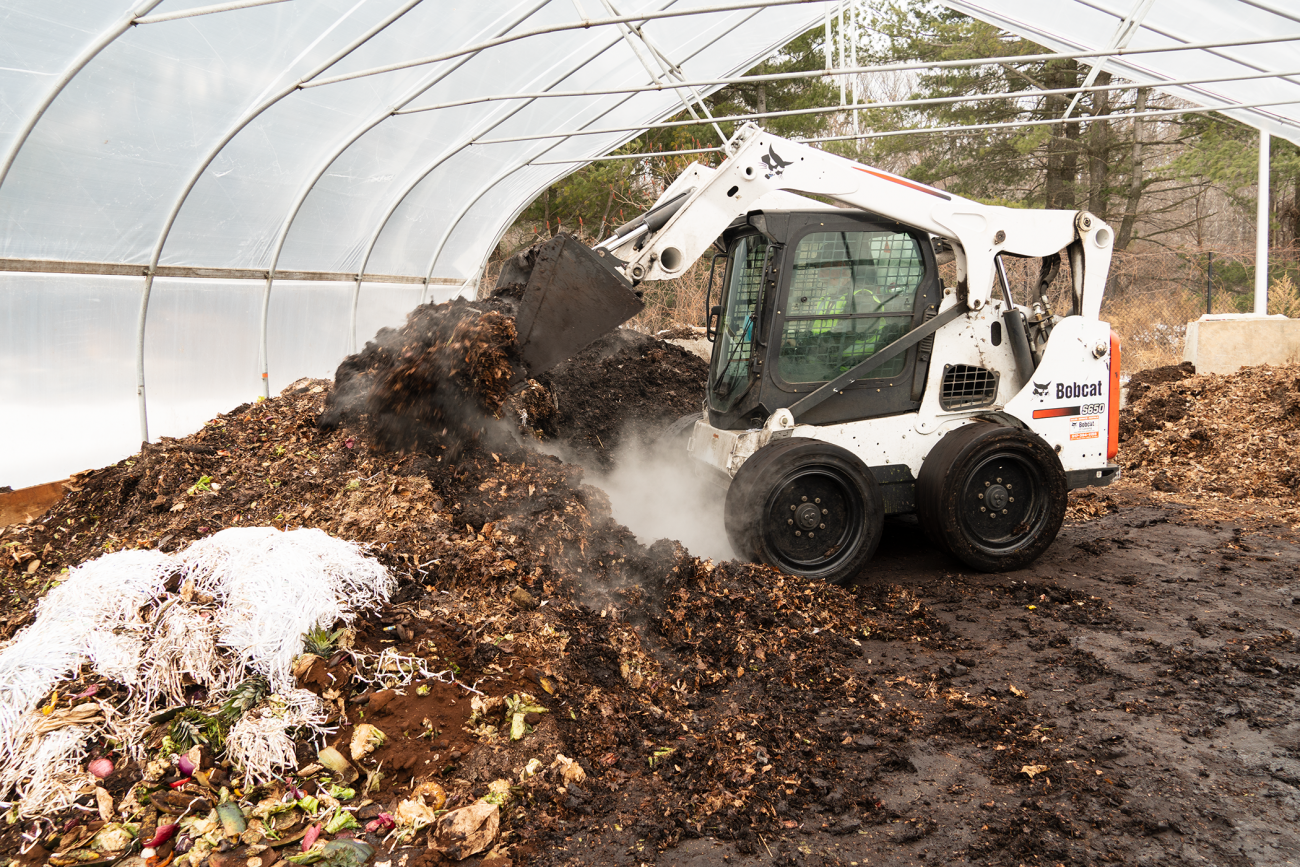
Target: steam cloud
(657, 495)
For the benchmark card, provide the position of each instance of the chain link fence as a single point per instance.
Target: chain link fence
(1151, 296)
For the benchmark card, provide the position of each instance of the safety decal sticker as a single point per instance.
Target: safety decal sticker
(1085, 427)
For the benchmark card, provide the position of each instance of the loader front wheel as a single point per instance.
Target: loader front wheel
(993, 496)
(806, 507)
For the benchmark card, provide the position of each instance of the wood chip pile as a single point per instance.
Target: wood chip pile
(1236, 436)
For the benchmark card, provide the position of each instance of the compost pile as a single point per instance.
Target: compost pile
(435, 382)
(1236, 435)
(612, 684)
(625, 386)
(594, 700)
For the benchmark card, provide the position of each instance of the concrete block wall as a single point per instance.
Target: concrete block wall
(1227, 342)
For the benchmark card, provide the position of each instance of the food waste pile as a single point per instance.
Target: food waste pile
(563, 692)
(589, 674)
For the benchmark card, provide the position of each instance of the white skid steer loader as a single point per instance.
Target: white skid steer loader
(848, 383)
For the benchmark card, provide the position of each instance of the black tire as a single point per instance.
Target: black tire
(993, 496)
(671, 443)
(772, 505)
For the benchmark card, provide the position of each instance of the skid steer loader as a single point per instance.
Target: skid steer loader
(848, 382)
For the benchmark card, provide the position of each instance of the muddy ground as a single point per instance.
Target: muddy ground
(1128, 699)
(1144, 670)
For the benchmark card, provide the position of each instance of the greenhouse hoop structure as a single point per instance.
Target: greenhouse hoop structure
(202, 203)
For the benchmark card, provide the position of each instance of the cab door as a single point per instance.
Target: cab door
(850, 287)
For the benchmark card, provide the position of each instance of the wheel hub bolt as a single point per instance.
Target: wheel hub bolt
(807, 516)
(789, 520)
(797, 533)
(825, 512)
(803, 499)
(821, 526)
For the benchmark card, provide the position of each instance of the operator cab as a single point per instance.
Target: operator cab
(807, 296)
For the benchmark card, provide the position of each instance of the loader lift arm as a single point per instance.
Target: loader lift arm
(702, 204)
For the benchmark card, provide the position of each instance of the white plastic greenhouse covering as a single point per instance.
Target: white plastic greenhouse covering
(208, 174)
(224, 145)
(1253, 47)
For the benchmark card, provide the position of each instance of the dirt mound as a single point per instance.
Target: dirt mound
(630, 654)
(1236, 435)
(1140, 383)
(625, 385)
(434, 383)
(924, 715)
(633, 654)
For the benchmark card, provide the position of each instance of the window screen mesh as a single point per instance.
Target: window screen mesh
(739, 317)
(851, 294)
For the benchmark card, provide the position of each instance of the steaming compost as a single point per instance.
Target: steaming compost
(624, 386)
(1129, 698)
(437, 381)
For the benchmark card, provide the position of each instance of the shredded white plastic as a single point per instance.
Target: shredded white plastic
(268, 589)
(276, 587)
(49, 771)
(184, 644)
(389, 669)
(76, 623)
(261, 742)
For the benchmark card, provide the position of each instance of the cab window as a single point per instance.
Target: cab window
(731, 370)
(851, 294)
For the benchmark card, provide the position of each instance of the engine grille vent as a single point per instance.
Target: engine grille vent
(966, 386)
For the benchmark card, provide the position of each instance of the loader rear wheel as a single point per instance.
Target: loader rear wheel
(993, 496)
(806, 507)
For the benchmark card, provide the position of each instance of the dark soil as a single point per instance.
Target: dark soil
(625, 385)
(1130, 698)
(1140, 383)
(1232, 436)
(436, 382)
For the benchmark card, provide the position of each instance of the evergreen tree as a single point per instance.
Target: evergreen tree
(1226, 155)
(601, 196)
(1079, 163)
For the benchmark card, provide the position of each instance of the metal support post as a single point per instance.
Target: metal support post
(1261, 230)
(1209, 282)
(840, 48)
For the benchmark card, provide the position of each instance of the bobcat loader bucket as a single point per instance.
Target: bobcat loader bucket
(570, 297)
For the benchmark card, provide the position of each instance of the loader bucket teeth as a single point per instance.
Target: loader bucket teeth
(571, 297)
